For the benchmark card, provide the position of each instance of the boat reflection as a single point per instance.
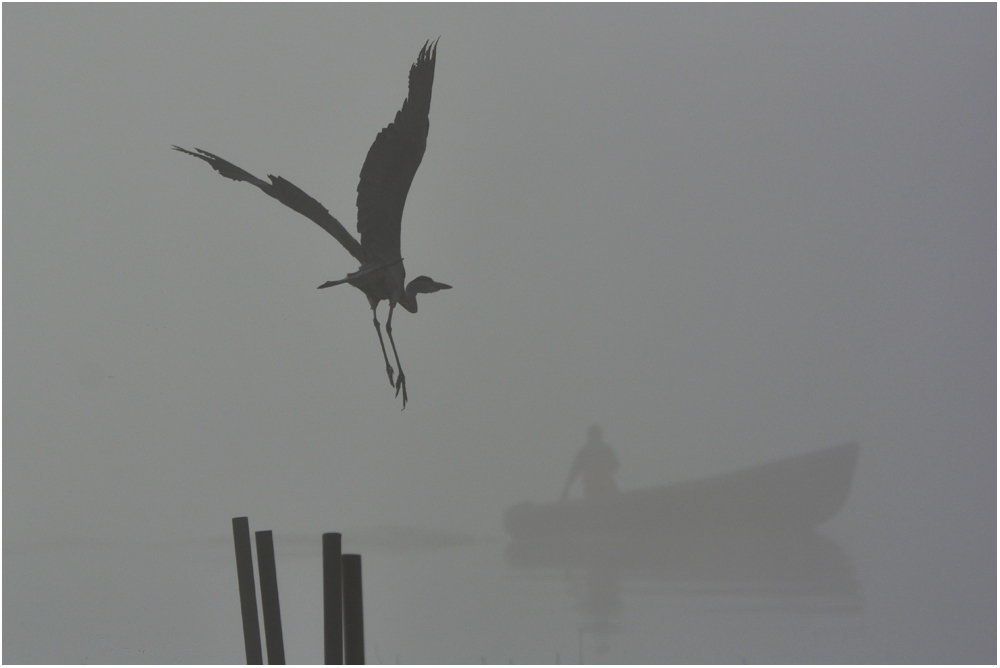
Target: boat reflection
(799, 565)
(805, 572)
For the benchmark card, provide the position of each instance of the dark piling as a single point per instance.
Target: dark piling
(269, 598)
(248, 594)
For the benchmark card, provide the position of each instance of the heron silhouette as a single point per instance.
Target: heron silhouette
(385, 180)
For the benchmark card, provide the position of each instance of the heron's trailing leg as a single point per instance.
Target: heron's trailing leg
(401, 379)
(378, 330)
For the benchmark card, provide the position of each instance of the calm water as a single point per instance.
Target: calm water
(503, 603)
(447, 598)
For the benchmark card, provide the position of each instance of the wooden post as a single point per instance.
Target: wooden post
(269, 598)
(333, 616)
(248, 593)
(354, 628)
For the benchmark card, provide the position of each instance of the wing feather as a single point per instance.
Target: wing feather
(288, 194)
(392, 162)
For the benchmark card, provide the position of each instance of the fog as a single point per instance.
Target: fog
(725, 234)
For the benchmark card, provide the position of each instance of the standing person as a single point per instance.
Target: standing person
(596, 464)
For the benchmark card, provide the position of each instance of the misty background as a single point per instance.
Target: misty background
(726, 234)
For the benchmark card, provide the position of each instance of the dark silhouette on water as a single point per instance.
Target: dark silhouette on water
(743, 541)
(789, 495)
(596, 465)
(388, 170)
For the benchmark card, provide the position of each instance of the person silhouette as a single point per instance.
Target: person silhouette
(596, 465)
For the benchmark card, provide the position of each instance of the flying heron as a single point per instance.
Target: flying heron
(385, 181)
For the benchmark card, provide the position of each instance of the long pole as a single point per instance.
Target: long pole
(269, 598)
(333, 617)
(248, 594)
(354, 627)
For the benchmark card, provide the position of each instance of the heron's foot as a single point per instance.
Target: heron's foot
(401, 385)
(389, 371)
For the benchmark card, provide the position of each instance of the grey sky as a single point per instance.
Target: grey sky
(725, 233)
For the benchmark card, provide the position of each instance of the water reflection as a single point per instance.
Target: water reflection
(805, 572)
(801, 565)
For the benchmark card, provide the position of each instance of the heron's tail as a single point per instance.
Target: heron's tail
(365, 269)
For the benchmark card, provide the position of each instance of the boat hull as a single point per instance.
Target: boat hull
(786, 496)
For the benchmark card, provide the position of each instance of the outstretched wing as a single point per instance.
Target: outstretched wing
(392, 161)
(288, 194)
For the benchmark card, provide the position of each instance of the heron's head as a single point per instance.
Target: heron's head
(424, 284)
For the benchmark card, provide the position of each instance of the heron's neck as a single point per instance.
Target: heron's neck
(409, 301)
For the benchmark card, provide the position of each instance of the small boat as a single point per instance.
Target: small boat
(786, 496)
